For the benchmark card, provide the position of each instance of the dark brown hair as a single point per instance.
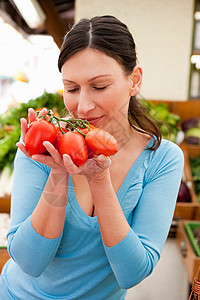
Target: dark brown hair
(112, 37)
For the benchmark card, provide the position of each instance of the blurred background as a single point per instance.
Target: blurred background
(167, 37)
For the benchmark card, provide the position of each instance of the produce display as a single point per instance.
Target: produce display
(10, 129)
(193, 232)
(91, 139)
(191, 128)
(195, 168)
(184, 193)
(76, 140)
(196, 233)
(168, 122)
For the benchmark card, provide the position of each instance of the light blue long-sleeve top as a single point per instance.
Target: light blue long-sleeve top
(77, 265)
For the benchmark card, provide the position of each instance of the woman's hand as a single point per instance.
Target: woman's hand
(54, 160)
(93, 169)
(24, 127)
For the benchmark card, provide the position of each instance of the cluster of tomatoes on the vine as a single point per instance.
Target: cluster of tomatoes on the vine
(80, 142)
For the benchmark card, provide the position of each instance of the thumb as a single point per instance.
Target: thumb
(105, 161)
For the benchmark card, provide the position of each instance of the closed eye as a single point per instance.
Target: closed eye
(100, 88)
(72, 90)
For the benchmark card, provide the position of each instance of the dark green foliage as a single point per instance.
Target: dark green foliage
(10, 129)
(167, 121)
(195, 168)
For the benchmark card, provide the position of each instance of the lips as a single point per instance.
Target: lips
(94, 120)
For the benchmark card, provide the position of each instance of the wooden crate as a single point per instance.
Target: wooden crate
(5, 204)
(193, 151)
(186, 110)
(187, 210)
(184, 211)
(189, 257)
(4, 257)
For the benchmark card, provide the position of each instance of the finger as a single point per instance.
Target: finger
(23, 149)
(54, 152)
(44, 159)
(24, 128)
(43, 111)
(31, 115)
(104, 161)
(69, 165)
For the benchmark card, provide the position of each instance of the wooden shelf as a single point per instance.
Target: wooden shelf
(190, 151)
(189, 257)
(5, 204)
(4, 257)
(187, 210)
(193, 151)
(185, 109)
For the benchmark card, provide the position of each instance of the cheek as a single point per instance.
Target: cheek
(108, 101)
(71, 105)
(116, 101)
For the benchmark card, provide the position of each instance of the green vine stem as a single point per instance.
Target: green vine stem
(74, 123)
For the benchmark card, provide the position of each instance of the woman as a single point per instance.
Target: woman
(94, 231)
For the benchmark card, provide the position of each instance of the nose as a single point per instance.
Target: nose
(85, 104)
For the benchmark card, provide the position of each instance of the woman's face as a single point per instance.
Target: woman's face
(96, 88)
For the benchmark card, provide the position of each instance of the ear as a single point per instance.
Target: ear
(136, 80)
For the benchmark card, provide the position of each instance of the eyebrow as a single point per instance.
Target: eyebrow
(93, 78)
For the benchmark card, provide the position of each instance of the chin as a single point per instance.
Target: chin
(107, 125)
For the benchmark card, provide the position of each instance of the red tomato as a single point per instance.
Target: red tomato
(90, 152)
(59, 135)
(101, 142)
(39, 131)
(86, 130)
(73, 144)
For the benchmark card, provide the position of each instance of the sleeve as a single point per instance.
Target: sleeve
(135, 257)
(31, 251)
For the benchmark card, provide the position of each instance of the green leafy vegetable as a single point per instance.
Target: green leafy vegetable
(195, 168)
(10, 129)
(167, 121)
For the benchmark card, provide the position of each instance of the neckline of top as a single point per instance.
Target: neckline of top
(93, 221)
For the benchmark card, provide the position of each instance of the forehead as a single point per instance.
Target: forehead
(91, 60)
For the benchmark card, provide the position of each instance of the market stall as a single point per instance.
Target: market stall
(179, 120)
(171, 115)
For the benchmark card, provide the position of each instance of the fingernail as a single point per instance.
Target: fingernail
(21, 121)
(66, 156)
(102, 157)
